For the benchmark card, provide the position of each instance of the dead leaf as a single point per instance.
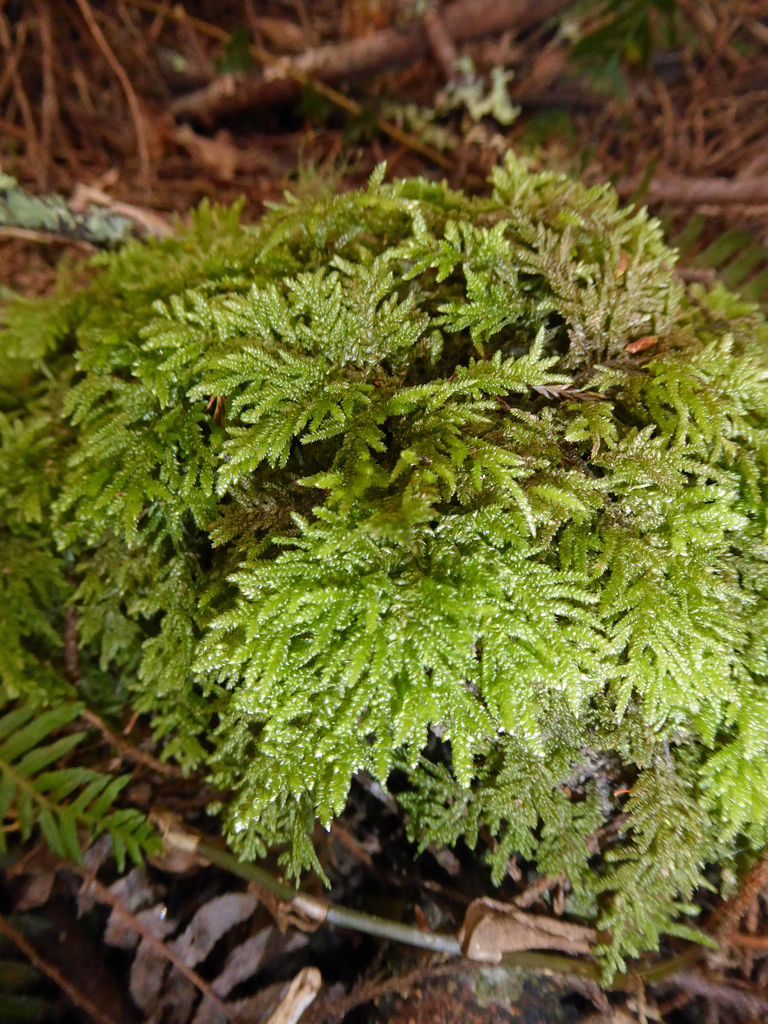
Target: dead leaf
(256, 1009)
(134, 892)
(179, 854)
(219, 155)
(301, 992)
(641, 344)
(447, 860)
(242, 963)
(36, 892)
(93, 858)
(538, 888)
(177, 861)
(39, 859)
(622, 265)
(148, 967)
(177, 1000)
(247, 958)
(285, 36)
(286, 915)
(211, 921)
(491, 929)
(547, 67)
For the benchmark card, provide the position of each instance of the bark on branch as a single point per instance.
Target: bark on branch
(464, 20)
(685, 190)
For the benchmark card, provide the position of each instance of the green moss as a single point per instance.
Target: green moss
(384, 462)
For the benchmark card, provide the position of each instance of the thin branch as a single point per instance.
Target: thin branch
(128, 751)
(130, 95)
(12, 61)
(690, 191)
(73, 994)
(310, 907)
(723, 995)
(47, 237)
(30, 131)
(440, 40)
(13, 130)
(749, 941)
(49, 108)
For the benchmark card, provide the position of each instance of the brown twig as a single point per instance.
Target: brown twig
(690, 191)
(280, 90)
(130, 94)
(11, 75)
(128, 751)
(12, 61)
(723, 995)
(674, 1002)
(33, 146)
(73, 994)
(103, 895)
(49, 107)
(12, 129)
(125, 749)
(352, 845)
(47, 237)
(147, 221)
(443, 47)
(749, 941)
(464, 20)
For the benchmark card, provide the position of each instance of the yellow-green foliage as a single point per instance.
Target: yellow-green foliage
(382, 463)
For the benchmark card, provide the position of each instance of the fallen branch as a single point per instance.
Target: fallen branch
(690, 191)
(464, 20)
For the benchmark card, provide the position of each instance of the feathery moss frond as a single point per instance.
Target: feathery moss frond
(383, 465)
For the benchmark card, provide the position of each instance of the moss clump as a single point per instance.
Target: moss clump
(390, 461)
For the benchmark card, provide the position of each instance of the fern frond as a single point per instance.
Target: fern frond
(62, 800)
